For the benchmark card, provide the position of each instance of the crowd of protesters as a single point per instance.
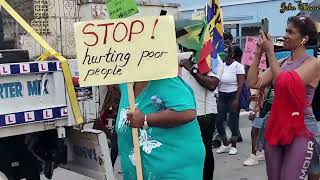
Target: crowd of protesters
(179, 117)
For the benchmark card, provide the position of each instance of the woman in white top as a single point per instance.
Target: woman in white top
(230, 88)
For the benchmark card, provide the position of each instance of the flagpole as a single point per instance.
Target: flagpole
(206, 11)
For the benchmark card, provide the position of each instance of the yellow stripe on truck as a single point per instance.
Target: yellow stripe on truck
(64, 62)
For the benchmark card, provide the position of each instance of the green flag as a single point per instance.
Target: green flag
(188, 33)
(121, 8)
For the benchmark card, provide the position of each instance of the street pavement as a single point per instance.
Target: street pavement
(229, 167)
(226, 167)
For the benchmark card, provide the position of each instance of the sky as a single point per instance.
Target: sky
(196, 3)
(189, 3)
(184, 3)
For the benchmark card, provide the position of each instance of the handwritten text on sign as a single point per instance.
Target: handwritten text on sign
(126, 50)
(121, 8)
(248, 53)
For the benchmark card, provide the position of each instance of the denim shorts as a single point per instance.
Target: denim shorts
(257, 122)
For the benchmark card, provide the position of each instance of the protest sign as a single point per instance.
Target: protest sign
(121, 8)
(126, 50)
(248, 53)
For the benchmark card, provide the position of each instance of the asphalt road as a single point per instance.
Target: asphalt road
(231, 168)
(226, 167)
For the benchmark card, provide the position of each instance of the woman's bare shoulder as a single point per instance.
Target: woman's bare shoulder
(317, 60)
(314, 62)
(317, 71)
(309, 71)
(315, 65)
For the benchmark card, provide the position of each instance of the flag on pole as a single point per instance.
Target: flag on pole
(189, 32)
(215, 19)
(212, 38)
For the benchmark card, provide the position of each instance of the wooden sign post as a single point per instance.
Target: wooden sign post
(135, 136)
(126, 51)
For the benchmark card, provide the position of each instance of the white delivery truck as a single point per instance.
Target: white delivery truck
(37, 129)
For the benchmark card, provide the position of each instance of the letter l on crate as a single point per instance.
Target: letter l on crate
(43, 67)
(24, 68)
(64, 112)
(47, 114)
(10, 119)
(5, 69)
(29, 116)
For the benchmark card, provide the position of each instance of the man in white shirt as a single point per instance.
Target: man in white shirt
(204, 87)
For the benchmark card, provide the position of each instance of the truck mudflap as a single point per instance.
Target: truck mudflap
(89, 154)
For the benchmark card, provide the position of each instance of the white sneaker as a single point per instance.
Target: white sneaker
(260, 156)
(223, 149)
(233, 151)
(251, 161)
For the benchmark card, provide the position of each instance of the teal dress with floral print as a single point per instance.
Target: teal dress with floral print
(166, 153)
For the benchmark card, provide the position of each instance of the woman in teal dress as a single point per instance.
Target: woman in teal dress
(170, 140)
